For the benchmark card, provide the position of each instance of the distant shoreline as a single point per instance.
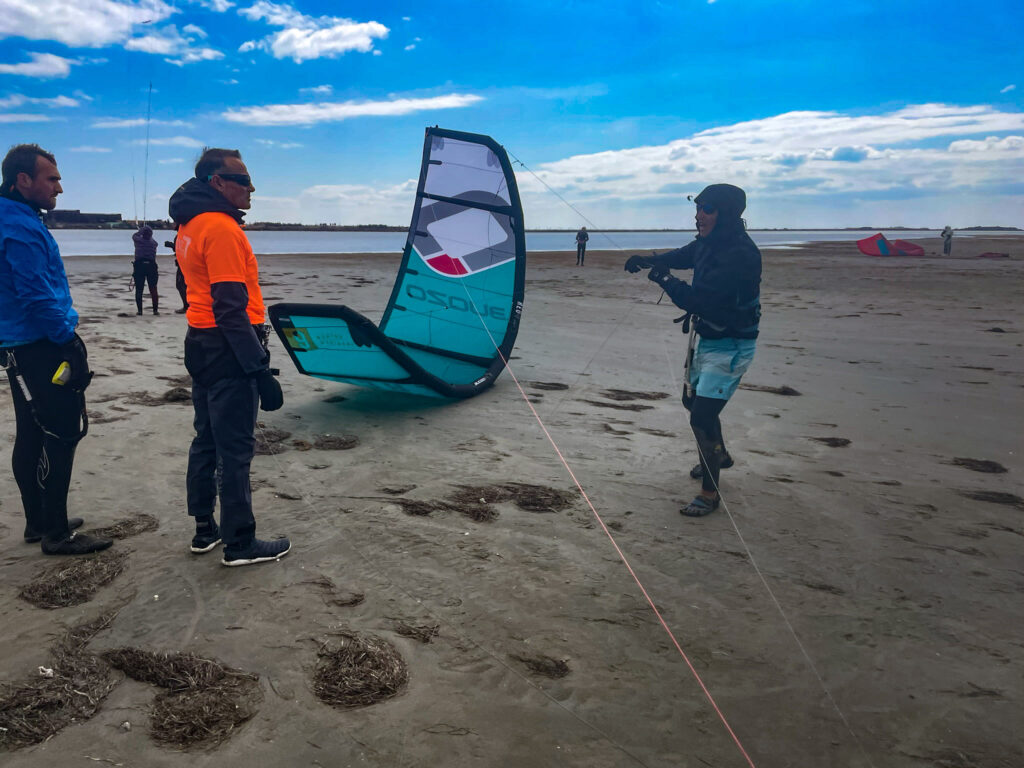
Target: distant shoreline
(258, 226)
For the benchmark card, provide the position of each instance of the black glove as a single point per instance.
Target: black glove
(637, 262)
(271, 396)
(75, 355)
(659, 274)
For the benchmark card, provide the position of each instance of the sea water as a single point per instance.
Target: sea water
(112, 242)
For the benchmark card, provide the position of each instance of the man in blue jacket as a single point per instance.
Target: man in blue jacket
(724, 303)
(47, 363)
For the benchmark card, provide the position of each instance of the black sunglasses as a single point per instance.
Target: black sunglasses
(242, 179)
(708, 209)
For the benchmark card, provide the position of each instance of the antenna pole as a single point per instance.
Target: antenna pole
(145, 173)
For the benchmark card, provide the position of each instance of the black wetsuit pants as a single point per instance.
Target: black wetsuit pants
(145, 272)
(179, 283)
(47, 434)
(581, 251)
(707, 428)
(222, 450)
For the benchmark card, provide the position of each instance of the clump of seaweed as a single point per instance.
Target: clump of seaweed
(270, 441)
(979, 465)
(70, 690)
(543, 665)
(785, 389)
(532, 498)
(205, 716)
(626, 394)
(73, 582)
(173, 396)
(130, 526)
(832, 442)
(359, 671)
(995, 497)
(176, 671)
(335, 442)
(205, 703)
(424, 633)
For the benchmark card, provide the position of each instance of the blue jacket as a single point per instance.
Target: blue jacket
(35, 299)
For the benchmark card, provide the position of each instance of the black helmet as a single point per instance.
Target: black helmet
(729, 200)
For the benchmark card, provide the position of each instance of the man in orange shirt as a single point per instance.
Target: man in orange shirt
(225, 353)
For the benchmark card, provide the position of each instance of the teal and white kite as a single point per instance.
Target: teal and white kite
(454, 312)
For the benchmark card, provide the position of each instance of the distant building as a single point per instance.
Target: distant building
(74, 218)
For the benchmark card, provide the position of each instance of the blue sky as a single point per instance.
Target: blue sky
(828, 114)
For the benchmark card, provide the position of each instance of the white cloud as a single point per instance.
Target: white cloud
(78, 23)
(171, 160)
(135, 122)
(18, 99)
(318, 90)
(410, 47)
(1008, 88)
(796, 160)
(340, 203)
(278, 144)
(218, 6)
(172, 141)
(305, 37)
(307, 114)
(15, 117)
(177, 48)
(91, 149)
(247, 46)
(42, 65)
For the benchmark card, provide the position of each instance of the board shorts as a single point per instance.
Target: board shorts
(719, 364)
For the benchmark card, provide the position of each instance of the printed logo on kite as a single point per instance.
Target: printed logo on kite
(458, 240)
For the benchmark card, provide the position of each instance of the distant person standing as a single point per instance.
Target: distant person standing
(947, 240)
(225, 353)
(47, 363)
(724, 303)
(581, 245)
(144, 270)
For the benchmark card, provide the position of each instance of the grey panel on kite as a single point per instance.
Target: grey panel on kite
(454, 311)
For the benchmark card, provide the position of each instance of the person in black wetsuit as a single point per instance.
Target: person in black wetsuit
(179, 278)
(144, 269)
(724, 302)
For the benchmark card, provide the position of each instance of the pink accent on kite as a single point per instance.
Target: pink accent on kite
(877, 245)
(993, 255)
(446, 265)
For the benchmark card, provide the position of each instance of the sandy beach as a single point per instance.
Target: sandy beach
(878, 622)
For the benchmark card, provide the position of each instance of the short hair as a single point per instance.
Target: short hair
(212, 160)
(21, 158)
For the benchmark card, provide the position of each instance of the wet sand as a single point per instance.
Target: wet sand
(896, 563)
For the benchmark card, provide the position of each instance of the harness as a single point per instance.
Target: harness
(10, 364)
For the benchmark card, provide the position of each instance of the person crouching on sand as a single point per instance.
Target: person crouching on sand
(46, 361)
(225, 353)
(724, 301)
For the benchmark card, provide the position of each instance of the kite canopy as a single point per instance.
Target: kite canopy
(877, 245)
(454, 312)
